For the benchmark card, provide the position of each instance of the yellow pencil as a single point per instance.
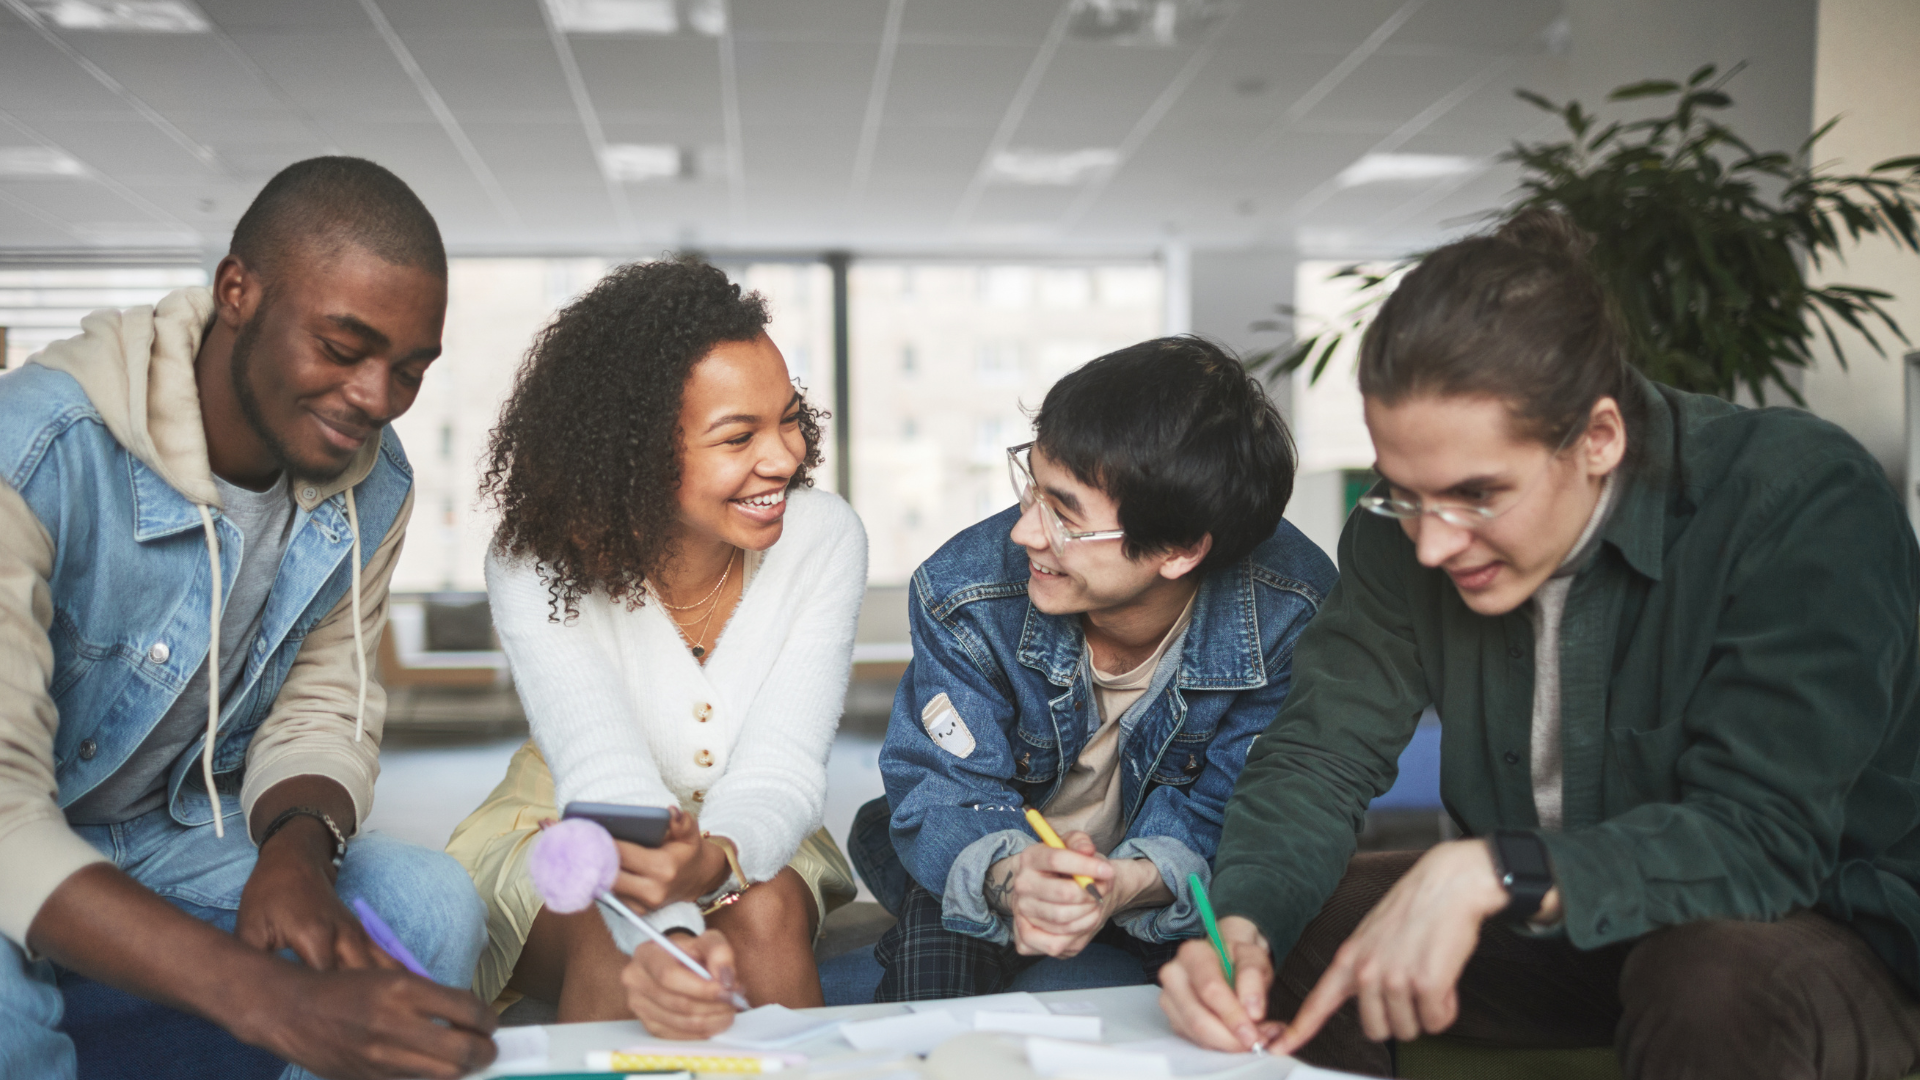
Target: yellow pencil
(1052, 840)
(623, 1061)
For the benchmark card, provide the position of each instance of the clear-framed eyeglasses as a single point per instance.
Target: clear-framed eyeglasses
(1020, 471)
(1458, 515)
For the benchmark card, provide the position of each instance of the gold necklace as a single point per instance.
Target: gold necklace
(728, 569)
(693, 643)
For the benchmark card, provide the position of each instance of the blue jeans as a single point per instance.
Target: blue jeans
(424, 895)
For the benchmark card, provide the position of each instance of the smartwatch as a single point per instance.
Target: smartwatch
(1520, 861)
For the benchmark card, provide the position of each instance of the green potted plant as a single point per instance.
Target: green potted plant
(1704, 242)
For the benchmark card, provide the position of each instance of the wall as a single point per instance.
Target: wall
(1622, 41)
(1865, 73)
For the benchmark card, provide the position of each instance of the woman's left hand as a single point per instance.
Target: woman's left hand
(683, 867)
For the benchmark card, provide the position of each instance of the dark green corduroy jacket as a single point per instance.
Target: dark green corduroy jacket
(1739, 711)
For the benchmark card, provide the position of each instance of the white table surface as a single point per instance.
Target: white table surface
(1130, 1013)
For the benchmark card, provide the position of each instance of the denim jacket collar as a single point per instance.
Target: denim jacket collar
(1221, 650)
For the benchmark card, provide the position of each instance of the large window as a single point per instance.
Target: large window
(41, 305)
(494, 309)
(948, 361)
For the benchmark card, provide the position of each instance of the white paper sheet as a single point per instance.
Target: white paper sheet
(1073, 1008)
(773, 1027)
(1084, 1028)
(522, 1048)
(1091, 1061)
(1186, 1059)
(914, 1033)
(963, 1009)
(1303, 1071)
(861, 1063)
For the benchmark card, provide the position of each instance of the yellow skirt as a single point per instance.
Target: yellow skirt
(494, 841)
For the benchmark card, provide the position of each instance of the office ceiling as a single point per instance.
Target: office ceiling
(907, 126)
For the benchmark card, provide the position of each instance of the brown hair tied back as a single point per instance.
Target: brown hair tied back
(585, 461)
(1517, 315)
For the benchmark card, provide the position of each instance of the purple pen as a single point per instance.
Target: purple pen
(383, 936)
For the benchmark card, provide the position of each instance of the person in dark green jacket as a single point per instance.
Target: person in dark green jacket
(1672, 645)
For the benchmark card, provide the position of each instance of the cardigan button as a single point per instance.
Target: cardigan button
(703, 712)
(1513, 652)
(88, 748)
(700, 796)
(159, 652)
(1512, 758)
(703, 758)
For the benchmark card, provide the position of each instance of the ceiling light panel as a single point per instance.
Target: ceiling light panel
(1051, 168)
(657, 17)
(37, 161)
(643, 162)
(1142, 22)
(126, 16)
(1390, 168)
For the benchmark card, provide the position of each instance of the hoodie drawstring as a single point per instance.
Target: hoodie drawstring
(359, 642)
(213, 670)
(213, 651)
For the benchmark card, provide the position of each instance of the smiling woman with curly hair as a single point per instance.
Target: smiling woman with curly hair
(677, 606)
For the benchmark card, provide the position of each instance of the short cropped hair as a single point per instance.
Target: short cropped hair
(320, 206)
(1176, 433)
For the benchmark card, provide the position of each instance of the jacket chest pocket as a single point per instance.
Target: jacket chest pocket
(1185, 758)
(1643, 764)
(1036, 760)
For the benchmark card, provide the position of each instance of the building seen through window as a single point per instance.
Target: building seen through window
(948, 361)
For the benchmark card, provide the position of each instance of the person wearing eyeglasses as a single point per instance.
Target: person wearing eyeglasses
(1672, 644)
(1105, 652)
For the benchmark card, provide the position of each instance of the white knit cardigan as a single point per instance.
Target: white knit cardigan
(623, 713)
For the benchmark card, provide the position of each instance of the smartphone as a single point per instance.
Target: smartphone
(643, 825)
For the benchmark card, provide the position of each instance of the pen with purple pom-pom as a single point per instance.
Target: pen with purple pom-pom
(574, 863)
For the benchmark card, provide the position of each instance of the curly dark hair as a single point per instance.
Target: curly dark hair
(586, 458)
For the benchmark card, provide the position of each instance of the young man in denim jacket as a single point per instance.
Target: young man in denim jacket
(183, 753)
(1105, 653)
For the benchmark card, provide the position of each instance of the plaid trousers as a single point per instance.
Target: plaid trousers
(923, 960)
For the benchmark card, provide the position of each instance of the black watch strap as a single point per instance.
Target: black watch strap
(1520, 860)
(291, 812)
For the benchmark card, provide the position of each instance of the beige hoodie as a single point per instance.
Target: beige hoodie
(136, 367)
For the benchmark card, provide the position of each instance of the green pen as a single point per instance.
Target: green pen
(1213, 928)
(1213, 932)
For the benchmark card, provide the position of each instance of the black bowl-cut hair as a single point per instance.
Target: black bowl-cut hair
(1176, 433)
(319, 207)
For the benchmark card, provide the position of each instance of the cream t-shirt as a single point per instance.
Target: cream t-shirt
(1089, 798)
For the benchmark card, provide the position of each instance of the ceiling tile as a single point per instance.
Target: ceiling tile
(810, 20)
(1093, 95)
(281, 15)
(474, 16)
(837, 78)
(342, 73)
(1481, 26)
(954, 84)
(500, 73)
(651, 79)
(36, 78)
(1387, 91)
(1001, 21)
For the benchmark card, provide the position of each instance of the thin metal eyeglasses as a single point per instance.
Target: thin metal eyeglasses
(1458, 515)
(1028, 492)
(1461, 516)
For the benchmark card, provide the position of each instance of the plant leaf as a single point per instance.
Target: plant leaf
(1646, 88)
